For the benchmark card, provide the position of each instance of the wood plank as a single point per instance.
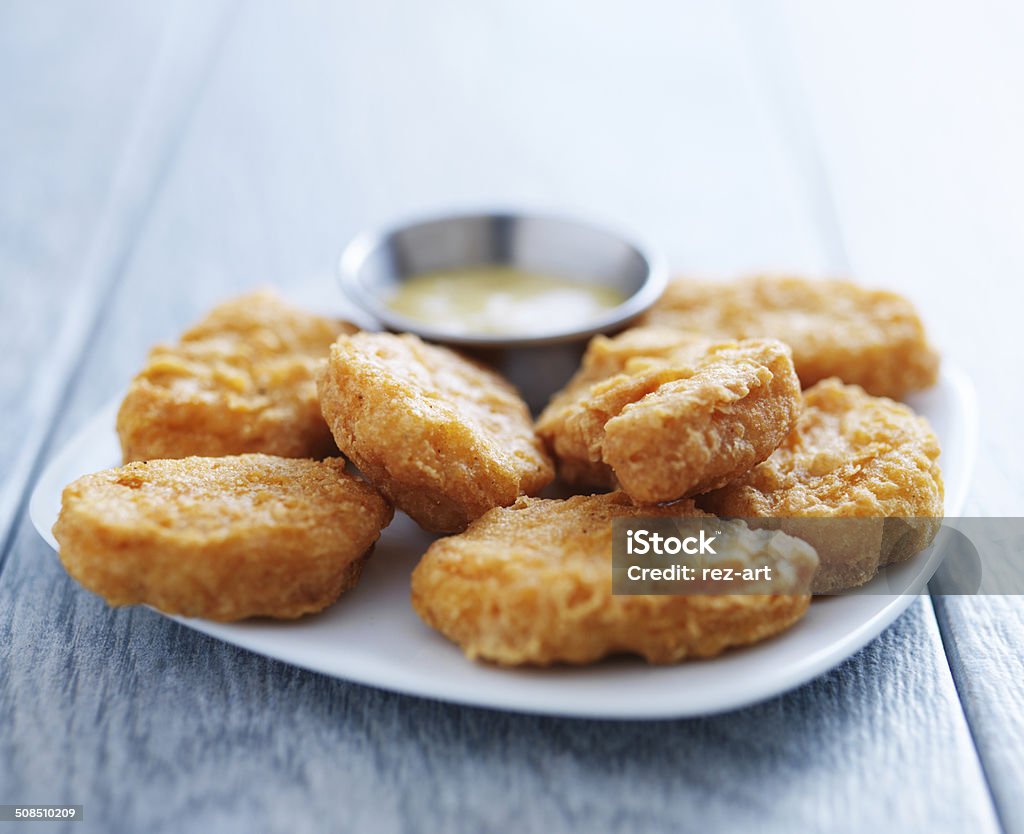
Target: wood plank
(921, 121)
(982, 639)
(88, 132)
(316, 123)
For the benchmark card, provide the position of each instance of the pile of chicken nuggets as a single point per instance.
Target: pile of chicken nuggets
(266, 451)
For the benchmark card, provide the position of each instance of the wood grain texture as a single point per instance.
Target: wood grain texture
(312, 124)
(982, 636)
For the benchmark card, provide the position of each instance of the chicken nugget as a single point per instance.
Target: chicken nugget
(666, 415)
(532, 584)
(858, 478)
(872, 338)
(242, 380)
(221, 538)
(443, 437)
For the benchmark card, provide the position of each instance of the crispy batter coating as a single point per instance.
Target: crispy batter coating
(242, 380)
(872, 338)
(531, 584)
(666, 415)
(444, 438)
(221, 538)
(858, 478)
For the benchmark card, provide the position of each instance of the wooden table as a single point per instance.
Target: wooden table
(158, 157)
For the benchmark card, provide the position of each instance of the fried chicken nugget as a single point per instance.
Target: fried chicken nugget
(872, 338)
(532, 584)
(858, 478)
(221, 538)
(242, 380)
(666, 415)
(443, 437)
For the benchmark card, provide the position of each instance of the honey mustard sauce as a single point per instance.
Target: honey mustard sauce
(500, 300)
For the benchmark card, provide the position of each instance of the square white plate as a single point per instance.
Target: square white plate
(373, 636)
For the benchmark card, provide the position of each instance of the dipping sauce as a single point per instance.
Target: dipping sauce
(500, 300)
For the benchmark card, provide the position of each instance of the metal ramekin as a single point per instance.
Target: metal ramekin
(375, 262)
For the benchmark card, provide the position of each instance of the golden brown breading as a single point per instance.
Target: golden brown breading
(873, 338)
(861, 475)
(445, 438)
(531, 584)
(666, 415)
(242, 380)
(221, 538)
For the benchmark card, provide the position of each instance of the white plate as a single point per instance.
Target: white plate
(373, 636)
